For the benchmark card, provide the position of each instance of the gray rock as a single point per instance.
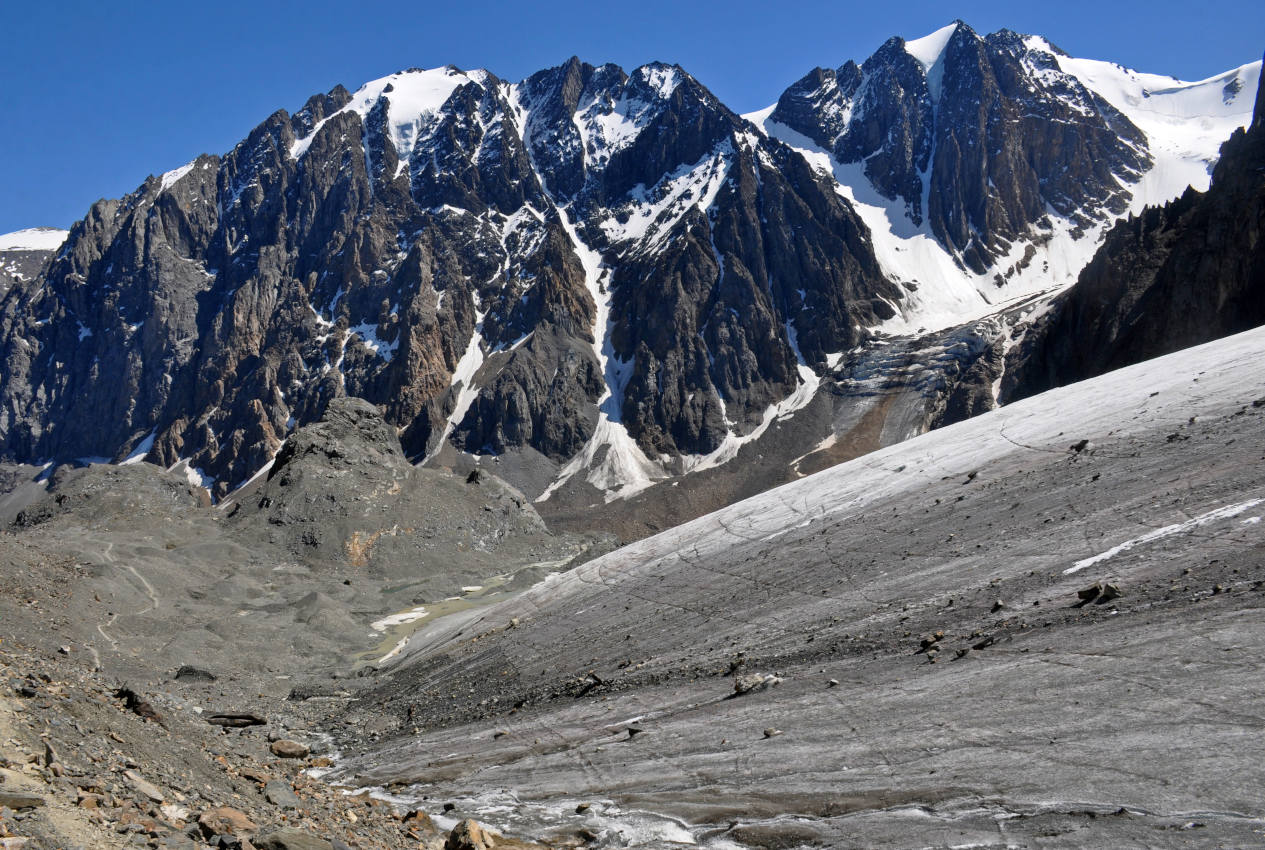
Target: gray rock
(178, 841)
(745, 683)
(19, 800)
(189, 673)
(290, 838)
(144, 786)
(236, 720)
(280, 794)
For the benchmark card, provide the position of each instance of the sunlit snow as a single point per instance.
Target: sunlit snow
(172, 177)
(1227, 512)
(368, 333)
(1185, 123)
(929, 51)
(414, 98)
(142, 449)
(33, 239)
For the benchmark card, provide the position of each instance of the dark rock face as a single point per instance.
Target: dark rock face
(978, 144)
(971, 392)
(1174, 276)
(712, 322)
(17, 266)
(541, 396)
(487, 265)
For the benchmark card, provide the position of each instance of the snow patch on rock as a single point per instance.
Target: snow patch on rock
(414, 98)
(929, 51)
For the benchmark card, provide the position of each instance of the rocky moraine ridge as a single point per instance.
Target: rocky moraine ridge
(168, 667)
(605, 279)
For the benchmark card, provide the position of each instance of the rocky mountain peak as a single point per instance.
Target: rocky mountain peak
(943, 45)
(979, 137)
(490, 262)
(24, 252)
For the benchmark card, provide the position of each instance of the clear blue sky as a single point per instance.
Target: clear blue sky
(95, 96)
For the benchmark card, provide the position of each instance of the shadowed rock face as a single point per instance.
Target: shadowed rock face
(981, 144)
(16, 266)
(1174, 276)
(502, 242)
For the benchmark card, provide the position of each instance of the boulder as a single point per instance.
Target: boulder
(288, 749)
(290, 838)
(280, 794)
(18, 800)
(745, 683)
(144, 786)
(223, 820)
(468, 835)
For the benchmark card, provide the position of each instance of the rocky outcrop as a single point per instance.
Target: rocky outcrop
(16, 266)
(980, 136)
(341, 493)
(1174, 276)
(777, 272)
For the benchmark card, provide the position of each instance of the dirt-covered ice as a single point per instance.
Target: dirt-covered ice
(945, 680)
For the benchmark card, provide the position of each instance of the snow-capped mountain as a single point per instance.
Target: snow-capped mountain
(992, 165)
(587, 263)
(1171, 277)
(603, 279)
(33, 239)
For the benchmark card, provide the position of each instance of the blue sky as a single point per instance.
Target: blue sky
(95, 96)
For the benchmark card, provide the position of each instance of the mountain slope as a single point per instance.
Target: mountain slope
(1175, 276)
(978, 136)
(315, 564)
(992, 165)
